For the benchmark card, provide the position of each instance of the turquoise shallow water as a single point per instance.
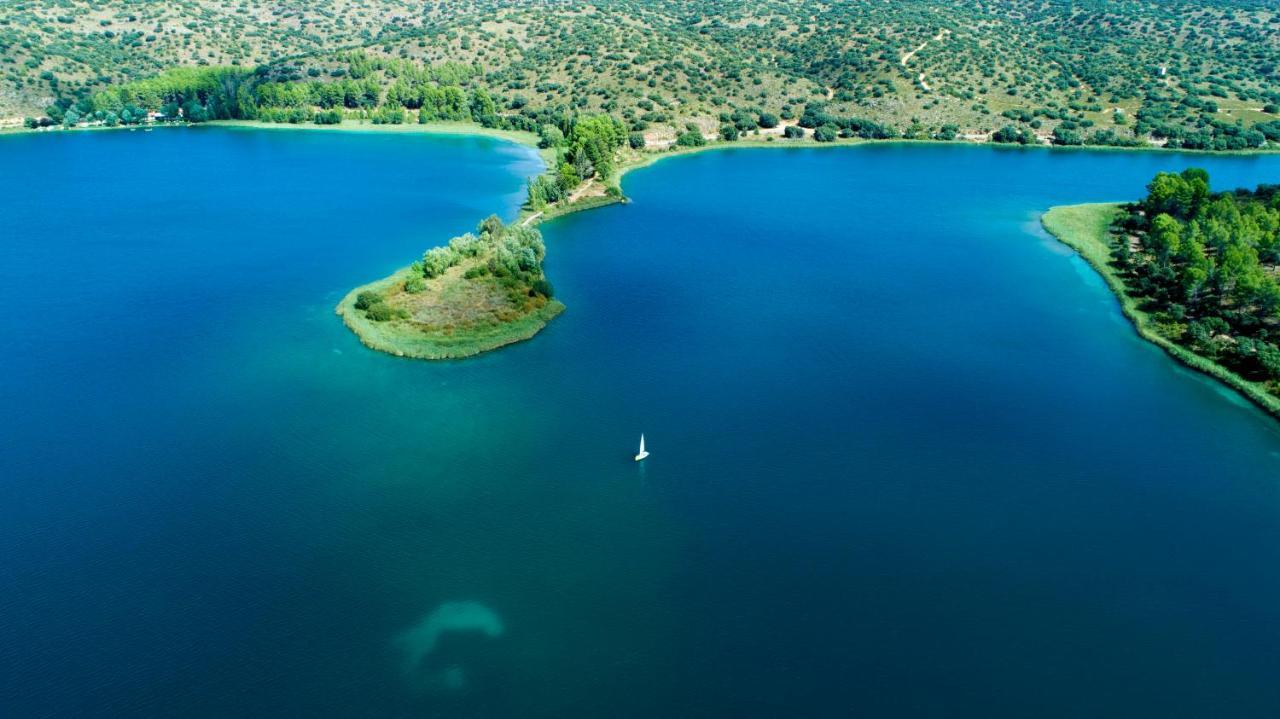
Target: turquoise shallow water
(908, 458)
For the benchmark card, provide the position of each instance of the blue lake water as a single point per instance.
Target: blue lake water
(908, 457)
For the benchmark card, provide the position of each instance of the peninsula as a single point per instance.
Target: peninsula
(1195, 271)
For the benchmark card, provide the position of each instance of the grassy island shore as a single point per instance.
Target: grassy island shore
(480, 292)
(406, 338)
(1089, 230)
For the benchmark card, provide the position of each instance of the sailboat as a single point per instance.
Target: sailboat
(643, 453)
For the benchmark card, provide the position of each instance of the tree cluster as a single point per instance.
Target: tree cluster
(1206, 264)
(514, 258)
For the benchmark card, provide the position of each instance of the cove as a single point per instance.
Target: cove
(908, 457)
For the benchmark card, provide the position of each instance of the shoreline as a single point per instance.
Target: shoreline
(385, 337)
(639, 159)
(530, 139)
(1094, 251)
(518, 137)
(1085, 228)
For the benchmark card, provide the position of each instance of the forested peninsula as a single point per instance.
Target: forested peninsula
(1196, 271)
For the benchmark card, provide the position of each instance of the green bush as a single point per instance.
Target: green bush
(691, 138)
(380, 312)
(826, 133)
(437, 260)
(793, 132)
(367, 299)
(541, 287)
(550, 136)
(414, 285)
(467, 245)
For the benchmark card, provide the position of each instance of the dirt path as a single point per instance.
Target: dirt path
(906, 58)
(588, 189)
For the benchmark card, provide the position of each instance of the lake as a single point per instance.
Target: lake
(908, 458)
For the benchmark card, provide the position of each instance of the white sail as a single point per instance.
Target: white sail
(642, 453)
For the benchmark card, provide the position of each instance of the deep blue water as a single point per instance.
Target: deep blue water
(908, 457)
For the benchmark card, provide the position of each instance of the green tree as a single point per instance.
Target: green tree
(367, 299)
(483, 109)
(550, 136)
(691, 138)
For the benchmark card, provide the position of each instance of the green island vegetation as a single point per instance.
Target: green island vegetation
(1196, 271)
(1197, 74)
(481, 291)
(485, 290)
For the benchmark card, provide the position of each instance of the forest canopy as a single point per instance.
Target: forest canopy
(1207, 265)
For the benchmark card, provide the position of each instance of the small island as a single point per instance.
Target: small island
(1195, 271)
(482, 291)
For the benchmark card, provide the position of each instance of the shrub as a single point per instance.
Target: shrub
(1011, 134)
(826, 133)
(367, 299)
(414, 285)
(541, 287)
(767, 120)
(467, 245)
(550, 136)
(729, 132)
(1066, 137)
(437, 260)
(793, 132)
(691, 138)
(636, 140)
(381, 312)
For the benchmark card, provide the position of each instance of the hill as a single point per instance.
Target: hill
(1203, 74)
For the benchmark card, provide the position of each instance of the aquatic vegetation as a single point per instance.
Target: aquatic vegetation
(420, 640)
